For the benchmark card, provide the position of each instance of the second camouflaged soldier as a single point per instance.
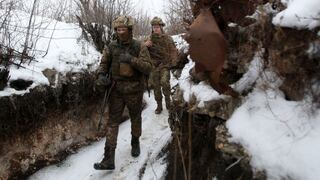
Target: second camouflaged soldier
(163, 53)
(129, 62)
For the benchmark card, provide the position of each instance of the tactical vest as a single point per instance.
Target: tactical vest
(116, 48)
(160, 49)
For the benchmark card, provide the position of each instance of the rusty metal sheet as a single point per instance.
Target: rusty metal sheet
(207, 43)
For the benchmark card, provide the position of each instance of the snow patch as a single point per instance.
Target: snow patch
(249, 78)
(299, 14)
(156, 135)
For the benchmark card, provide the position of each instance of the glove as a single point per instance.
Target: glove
(125, 58)
(102, 83)
(103, 80)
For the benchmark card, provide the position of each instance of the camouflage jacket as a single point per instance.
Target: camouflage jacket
(163, 51)
(141, 65)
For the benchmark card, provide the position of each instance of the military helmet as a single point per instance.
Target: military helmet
(157, 21)
(125, 21)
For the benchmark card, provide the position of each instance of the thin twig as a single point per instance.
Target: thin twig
(233, 164)
(182, 158)
(50, 40)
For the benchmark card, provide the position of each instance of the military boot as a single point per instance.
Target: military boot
(135, 147)
(159, 108)
(107, 162)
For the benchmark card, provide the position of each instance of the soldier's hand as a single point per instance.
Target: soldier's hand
(102, 83)
(148, 43)
(125, 58)
(103, 80)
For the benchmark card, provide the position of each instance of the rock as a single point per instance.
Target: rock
(51, 74)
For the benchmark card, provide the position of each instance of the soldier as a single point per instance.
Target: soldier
(163, 52)
(128, 61)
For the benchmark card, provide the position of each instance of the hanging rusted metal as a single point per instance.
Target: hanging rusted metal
(207, 43)
(208, 48)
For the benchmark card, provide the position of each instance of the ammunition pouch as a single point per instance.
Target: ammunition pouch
(126, 70)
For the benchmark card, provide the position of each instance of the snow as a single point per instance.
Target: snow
(202, 91)
(180, 43)
(156, 134)
(282, 137)
(249, 78)
(67, 52)
(299, 14)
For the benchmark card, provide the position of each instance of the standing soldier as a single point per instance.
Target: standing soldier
(163, 52)
(128, 62)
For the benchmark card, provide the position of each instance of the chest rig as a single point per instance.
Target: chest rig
(117, 48)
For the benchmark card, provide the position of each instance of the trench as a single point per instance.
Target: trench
(194, 152)
(48, 124)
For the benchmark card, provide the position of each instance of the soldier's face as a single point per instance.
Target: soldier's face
(123, 33)
(122, 30)
(157, 29)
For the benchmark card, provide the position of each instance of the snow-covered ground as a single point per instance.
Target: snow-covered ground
(57, 45)
(282, 137)
(299, 14)
(156, 134)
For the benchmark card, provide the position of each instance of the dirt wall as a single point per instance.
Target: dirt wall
(45, 125)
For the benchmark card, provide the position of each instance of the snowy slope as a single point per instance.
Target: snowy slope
(156, 135)
(57, 45)
(281, 136)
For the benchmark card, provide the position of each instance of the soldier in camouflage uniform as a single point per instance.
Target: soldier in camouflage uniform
(164, 54)
(128, 61)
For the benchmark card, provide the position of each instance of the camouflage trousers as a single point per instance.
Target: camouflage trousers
(160, 79)
(117, 103)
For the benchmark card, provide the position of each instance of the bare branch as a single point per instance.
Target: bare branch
(179, 16)
(142, 26)
(95, 18)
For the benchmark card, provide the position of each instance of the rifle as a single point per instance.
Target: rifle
(105, 101)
